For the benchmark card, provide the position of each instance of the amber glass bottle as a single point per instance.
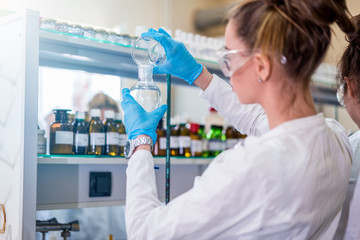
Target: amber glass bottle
(61, 133)
(174, 141)
(81, 135)
(112, 134)
(96, 134)
(196, 143)
(184, 141)
(160, 145)
(122, 134)
(231, 137)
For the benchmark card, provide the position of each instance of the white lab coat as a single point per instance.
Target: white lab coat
(349, 224)
(287, 183)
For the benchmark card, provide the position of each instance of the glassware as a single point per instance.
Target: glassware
(101, 35)
(81, 136)
(160, 145)
(61, 133)
(48, 23)
(216, 140)
(174, 141)
(89, 32)
(76, 29)
(62, 27)
(147, 53)
(112, 134)
(96, 134)
(196, 143)
(184, 141)
(122, 134)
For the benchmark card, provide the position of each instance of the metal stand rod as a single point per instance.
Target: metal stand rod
(168, 131)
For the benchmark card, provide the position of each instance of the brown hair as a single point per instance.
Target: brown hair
(101, 100)
(349, 64)
(296, 32)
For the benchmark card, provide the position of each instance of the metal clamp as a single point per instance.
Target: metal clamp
(2, 230)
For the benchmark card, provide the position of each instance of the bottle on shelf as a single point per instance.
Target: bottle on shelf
(112, 134)
(232, 137)
(174, 141)
(215, 138)
(41, 142)
(196, 143)
(81, 135)
(96, 134)
(213, 118)
(204, 141)
(122, 134)
(184, 141)
(61, 133)
(160, 145)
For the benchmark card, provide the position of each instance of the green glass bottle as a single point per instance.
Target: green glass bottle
(96, 134)
(215, 138)
(112, 134)
(81, 135)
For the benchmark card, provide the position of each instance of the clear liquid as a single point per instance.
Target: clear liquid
(147, 94)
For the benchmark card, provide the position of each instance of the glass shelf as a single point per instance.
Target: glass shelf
(91, 159)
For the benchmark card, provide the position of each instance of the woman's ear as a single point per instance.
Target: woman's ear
(350, 87)
(262, 66)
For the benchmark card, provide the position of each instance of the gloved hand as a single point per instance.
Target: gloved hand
(137, 121)
(179, 61)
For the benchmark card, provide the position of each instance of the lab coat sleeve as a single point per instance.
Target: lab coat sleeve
(200, 213)
(248, 119)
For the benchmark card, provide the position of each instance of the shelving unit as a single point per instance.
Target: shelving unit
(85, 160)
(28, 182)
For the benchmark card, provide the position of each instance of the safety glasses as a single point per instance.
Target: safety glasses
(231, 61)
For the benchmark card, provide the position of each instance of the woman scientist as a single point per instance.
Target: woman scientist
(349, 92)
(288, 180)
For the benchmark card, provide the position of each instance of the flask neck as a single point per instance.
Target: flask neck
(146, 73)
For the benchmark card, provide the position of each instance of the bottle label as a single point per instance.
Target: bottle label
(230, 143)
(205, 145)
(162, 143)
(97, 139)
(122, 139)
(215, 145)
(184, 141)
(174, 142)
(81, 139)
(41, 149)
(196, 146)
(64, 137)
(112, 138)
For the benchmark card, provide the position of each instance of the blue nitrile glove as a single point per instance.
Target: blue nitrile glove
(137, 121)
(179, 61)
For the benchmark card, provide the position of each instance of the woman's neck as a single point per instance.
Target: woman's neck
(281, 107)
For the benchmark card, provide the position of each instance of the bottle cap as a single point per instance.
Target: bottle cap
(61, 115)
(194, 127)
(109, 114)
(80, 115)
(95, 112)
(118, 116)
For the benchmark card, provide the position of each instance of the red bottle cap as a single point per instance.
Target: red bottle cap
(194, 127)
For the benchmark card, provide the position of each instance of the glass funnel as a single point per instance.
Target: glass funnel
(147, 53)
